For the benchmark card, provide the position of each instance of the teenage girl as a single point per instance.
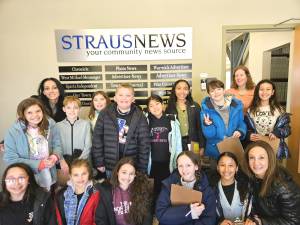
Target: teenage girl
(34, 139)
(78, 202)
(266, 117)
(187, 111)
(99, 101)
(165, 142)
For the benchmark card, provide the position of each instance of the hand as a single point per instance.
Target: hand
(254, 137)
(236, 134)
(101, 169)
(196, 210)
(53, 159)
(48, 163)
(226, 222)
(249, 222)
(207, 120)
(272, 136)
(64, 166)
(201, 152)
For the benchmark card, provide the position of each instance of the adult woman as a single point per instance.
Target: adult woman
(242, 86)
(189, 176)
(22, 201)
(126, 198)
(78, 202)
(221, 117)
(231, 191)
(51, 93)
(34, 139)
(187, 111)
(276, 197)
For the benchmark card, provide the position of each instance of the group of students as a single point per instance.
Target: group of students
(123, 144)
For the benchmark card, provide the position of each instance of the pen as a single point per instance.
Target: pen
(188, 213)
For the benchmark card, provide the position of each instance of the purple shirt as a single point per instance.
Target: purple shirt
(121, 203)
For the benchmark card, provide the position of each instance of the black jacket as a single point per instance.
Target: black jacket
(106, 214)
(195, 129)
(281, 206)
(43, 209)
(105, 146)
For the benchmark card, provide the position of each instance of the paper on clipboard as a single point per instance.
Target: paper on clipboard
(274, 143)
(232, 145)
(182, 196)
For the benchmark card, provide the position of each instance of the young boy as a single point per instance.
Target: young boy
(121, 130)
(75, 133)
(221, 117)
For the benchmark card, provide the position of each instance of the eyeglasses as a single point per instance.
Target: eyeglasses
(12, 181)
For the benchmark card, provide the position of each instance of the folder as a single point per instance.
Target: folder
(232, 145)
(274, 143)
(181, 195)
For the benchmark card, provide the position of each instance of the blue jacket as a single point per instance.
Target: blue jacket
(17, 146)
(217, 131)
(175, 215)
(281, 130)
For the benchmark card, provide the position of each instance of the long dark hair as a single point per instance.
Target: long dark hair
(240, 177)
(25, 104)
(31, 188)
(140, 192)
(274, 104)
(171, 107)
(44, 98)
(196, 161)
(272, 174)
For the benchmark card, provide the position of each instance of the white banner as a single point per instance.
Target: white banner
(124, 44)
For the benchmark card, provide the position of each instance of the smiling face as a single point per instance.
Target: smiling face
(227, 169)
(33, 115)
(124, 98)
(240, 78)
(72, 110)
(16, 182)
(181, 91)
(155, 108)
(265, 91)
(217, 94)
(99, 102)
(79, 177)
(51, 90)
(258, 161)
(186, 168)
(126, 175)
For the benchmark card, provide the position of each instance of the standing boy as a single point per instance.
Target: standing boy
(75, 133)
(121, 130)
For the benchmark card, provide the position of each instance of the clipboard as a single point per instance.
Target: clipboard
(274, 143)
(232, 145)
(183, 196)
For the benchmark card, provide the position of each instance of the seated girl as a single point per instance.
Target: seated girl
(22, 201)
(190, 176)
(126, 199)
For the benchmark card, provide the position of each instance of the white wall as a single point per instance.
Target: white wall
(27, 47)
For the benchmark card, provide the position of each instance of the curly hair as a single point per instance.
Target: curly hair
(140, 192)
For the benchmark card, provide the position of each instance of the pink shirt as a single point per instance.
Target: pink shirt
(246, 97)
